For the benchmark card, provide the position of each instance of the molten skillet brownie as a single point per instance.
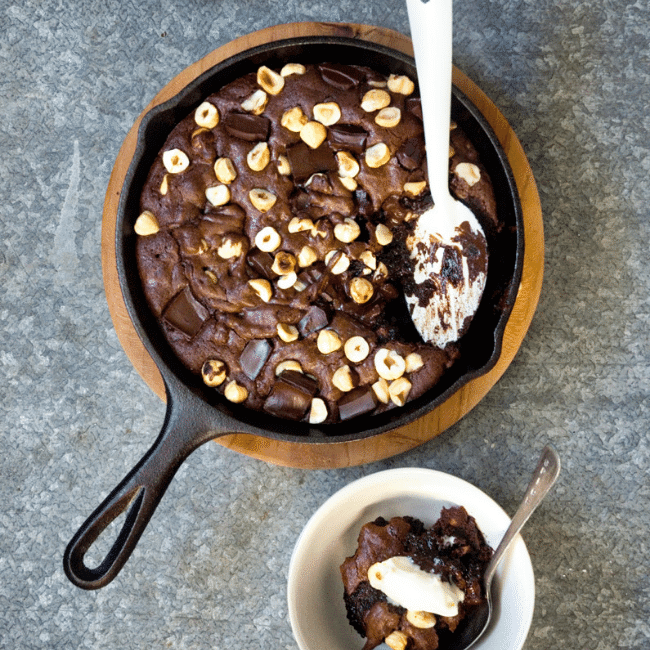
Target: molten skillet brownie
(271, 240)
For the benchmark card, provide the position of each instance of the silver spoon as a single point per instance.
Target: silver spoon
(545, 475)
(440, 304)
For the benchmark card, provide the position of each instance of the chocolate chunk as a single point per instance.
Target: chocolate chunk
(300, 381)
(350, 137)
(254, 356)
(305, 161)
(287, 399)
(252, 128)
(414, 105)
(185, 313)
(228, 218)
(357, 402)
(364, 202)
(341, 76)
(411, 154)
(315, 319)
(262, 263)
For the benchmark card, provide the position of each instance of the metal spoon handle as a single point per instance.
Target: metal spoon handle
(546, 473)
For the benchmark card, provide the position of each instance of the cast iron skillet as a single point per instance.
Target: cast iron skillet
(196, 414)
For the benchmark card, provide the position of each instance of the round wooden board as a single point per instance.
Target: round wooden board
(331, 455)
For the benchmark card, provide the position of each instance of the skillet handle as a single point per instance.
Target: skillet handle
(140, 491)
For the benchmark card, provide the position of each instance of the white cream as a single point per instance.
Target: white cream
(406, 584)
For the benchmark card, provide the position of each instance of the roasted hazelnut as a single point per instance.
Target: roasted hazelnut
(207, 115)
(388, 117)
(469, 172)
(415, 188)
(224, 170)
(383, 234)
(262, 288)
(421, 620)
(343, 379)
(369, 259)
(284, 263)
(413, 362)
(218, 195)
(146, 224)
(328, 341)
(349, 183)
(380, 388)
(256, 103)
(214, 372)
(341, 264)
(361, 290)
(287, 364)
(268, 239)
(299, 225)
(313, 134)
(175, 161)
(284, 168)
(399, 391)
(270, 81)
(294, 119)
(347, 163)
(307, 256)
(356, 349)
(262, 199)
(287, 281)
(293, 68)
(347, 231)
(287, 333)
(235, 392)
(259, 157)
(389, 364)
(377, 155)
(375, 100)
(317, 411)
(400, 84)
(328, 113)
(164, 185)
(396, 640)
(229, 249)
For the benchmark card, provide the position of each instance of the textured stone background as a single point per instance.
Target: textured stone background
(571, 77)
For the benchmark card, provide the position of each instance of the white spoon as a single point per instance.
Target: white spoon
(448, 244)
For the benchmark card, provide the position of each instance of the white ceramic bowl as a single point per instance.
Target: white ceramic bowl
(315, 590)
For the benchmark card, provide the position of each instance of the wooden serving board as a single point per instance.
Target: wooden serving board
(342, 454)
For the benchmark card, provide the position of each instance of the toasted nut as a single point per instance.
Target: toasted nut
(369, 259)
(348, 165)
(207, 115)
(196, 133)
(415, 188)
(356, 349)
(318, 178)
(262, 199)
(413, 362)
(361, 290)
(381, 273)
(287, 333)
(235, 392)
(342, 379)
(299, 225)
(284, 168)
(389, 364)
(146, 224)
(213, 372)
(377, 155)
(284, 263)
(375, 100)
(256, 103)
(388, 117)
(262, 288)
(340, 265)
(376, 83)
(347, 231)
(396, 640)
(164, 185)
(212, 276)
(317, 231)
(287, 364)
(294, 119)
(328, 113)
(259, 157)
(328, 341)
(349, 183)
(469, 172)
(383, 234)
(451, 151)
(380, 387)
(422, 620)
(318, 411)
(400, 84)
(293, 68)
(224, 170)
(307, 256)
(313, 134)
(268, 239)
(230, 249)
(270, 81)
(399, 391)
(287, 281)
(175, 161)
(218, 195)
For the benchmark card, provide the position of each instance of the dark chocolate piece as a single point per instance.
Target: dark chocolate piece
(315, 319)
(414, 105)
(341, 76)
(357, 402)
(252, 128)
(411, 154)
(185, 313)
(228, 218)
(350, 137)
(300, 381)
(261, 262)
(305, 161)
(254, 356)
(286, 400)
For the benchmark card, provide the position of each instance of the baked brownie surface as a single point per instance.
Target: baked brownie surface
(271, 240)
(453, 548)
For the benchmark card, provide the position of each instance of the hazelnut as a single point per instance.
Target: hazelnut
(396, 640)
(388, 117)
(262, 288)
(313, 134)
(369, 259)
(213, 372)
(235, 392)
(381, 273)
(212, 276)
(284, 168)
(383, 234)
(318, 411)
(259, 157)
(389, 364)
(452, 151)
(377, 155)
(218, 195)
(164, 185)
(299, 225)
(270, 81)
(413, 362)
(224, 170)
(207, 115)
(196, 133)
(284, 263)
(377, 83)
(415, 188)
(229, 249)
(468, 172)
(375, 100)
(341, 264)
(356, 349)
(256, 103)
(399, 391)
(380, 388)
(175, 161)
(421, 620)
(348, 183)
(268, 239)
(328, 113)
(293, 68)
(348, 165)
(294, 119)
(400, 84)
(146, 224)
(328, 341)
(347, 231)
(287, 281)
(307, 256)
(262, 199)
(287, 333)
(342, 379)
(361, 290)
(287, 364)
